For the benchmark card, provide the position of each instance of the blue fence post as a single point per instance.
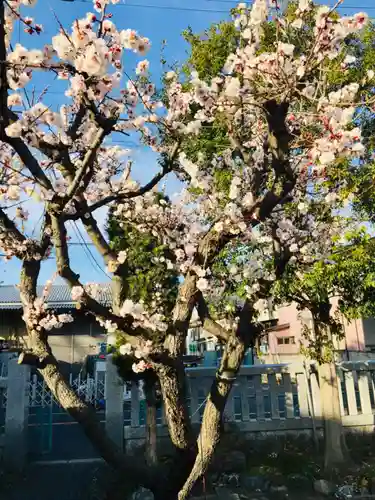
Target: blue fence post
(16, 416)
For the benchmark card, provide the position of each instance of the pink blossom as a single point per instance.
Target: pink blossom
(14, 100)
(140, 367)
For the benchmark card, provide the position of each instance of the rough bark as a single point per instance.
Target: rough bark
(175, 340)
(171, 373)
(211, 428)
(335, 447)
(210, 432)
(173, 388)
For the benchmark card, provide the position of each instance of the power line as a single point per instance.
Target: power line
(356, 7)
(87, 249)
(159, 7)
(347, 7)
(79, 243)
(224, 1)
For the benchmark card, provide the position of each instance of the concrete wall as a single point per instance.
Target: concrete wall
(73, 348)
(70, 344)
(247, 412)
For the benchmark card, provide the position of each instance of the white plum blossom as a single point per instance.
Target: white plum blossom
(202, 284)
(65, 318)
(125, 349)
(233, 88)
(111, 340)
(109, 325)
(170, 75)
(77, 293)
(285, 49)
(127, 307)
(122, 256)
(142, 67)
(14, 130)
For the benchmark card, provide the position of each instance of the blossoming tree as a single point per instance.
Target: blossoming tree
(309, 278)
(147, 269)
(285, 127)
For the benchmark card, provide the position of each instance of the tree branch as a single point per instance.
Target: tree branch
(93, 306)
(86, 164)
(8, 226)
(208, 323)
(77, 122)
(97, 237)
(167, 168)
(131, 194)
(211, 428)
(29, 161)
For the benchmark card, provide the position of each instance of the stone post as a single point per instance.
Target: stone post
(114, 404)
(16, 416)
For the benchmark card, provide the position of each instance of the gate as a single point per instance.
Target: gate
(52, 433)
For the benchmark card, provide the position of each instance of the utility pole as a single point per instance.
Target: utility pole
(283, 5)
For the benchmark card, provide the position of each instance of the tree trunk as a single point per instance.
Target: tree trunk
(335, 447)
(173, 387)
(210, 432)
(85, 415)
(82, 413)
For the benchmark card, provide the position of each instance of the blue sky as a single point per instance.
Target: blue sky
(157, 24)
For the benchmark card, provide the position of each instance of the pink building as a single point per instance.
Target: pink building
(283, 341)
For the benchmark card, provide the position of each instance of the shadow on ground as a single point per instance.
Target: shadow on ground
(56, 482)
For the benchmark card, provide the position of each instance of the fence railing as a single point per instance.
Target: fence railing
(272, 399)
(263, 399)
(91, 390)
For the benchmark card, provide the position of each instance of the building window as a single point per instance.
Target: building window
(286, 340)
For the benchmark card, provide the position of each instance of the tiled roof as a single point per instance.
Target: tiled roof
(59, 296)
